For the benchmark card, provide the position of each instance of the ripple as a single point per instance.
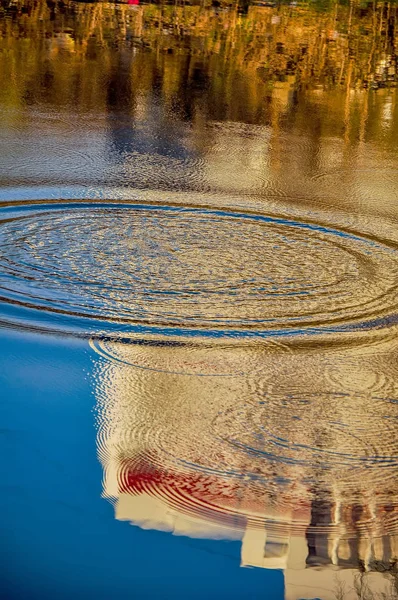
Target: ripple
(323, 431)
(212, 456)
(386, 175)
(58, 152)
(101, 267)
(232, 503)
(187, 358)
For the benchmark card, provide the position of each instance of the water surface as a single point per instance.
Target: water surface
(198, 300)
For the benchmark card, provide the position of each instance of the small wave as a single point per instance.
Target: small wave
(270, 448)
(336, 432)
(215, 360)
(189, 271)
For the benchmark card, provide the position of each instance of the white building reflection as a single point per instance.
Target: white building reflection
(291, 451)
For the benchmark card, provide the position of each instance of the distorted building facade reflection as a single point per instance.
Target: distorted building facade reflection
(292, 453)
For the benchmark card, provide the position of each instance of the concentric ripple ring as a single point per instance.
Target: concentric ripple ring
(147, 268)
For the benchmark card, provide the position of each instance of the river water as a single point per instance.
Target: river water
(198, 300)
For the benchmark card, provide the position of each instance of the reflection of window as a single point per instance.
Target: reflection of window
(275, 550)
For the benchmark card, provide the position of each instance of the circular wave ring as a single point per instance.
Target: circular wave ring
(103, 267)
(334, 432)
(181, 358)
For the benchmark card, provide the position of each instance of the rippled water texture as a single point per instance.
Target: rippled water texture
(205, 196)
(210, 270)
(295, 453)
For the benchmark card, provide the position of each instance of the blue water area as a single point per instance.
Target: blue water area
(59, 536)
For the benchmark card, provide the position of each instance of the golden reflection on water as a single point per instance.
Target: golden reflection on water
(291, 450)
(196, 270)
(192, 82)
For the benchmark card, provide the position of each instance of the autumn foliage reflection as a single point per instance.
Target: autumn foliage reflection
(214, 62)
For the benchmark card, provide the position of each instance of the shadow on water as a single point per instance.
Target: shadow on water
(207, 196)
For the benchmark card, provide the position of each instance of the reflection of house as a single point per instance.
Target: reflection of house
(312, 561)
(176, 459)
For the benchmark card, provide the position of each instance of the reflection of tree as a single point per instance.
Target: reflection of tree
(237, 62)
